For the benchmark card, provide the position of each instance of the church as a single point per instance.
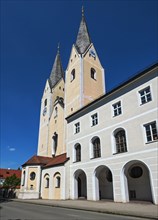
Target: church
(93, 144)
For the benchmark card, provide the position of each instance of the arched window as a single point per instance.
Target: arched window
(23, 181)
(93, 73)
(72, 75)
(96, 147)
(47, 182)
(45, 102)
(58, 182)
(120, 140)
(78, 152)
(54, 143)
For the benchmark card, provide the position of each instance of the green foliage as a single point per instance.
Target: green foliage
(11, 182)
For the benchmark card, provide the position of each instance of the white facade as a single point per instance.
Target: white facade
(140, 152)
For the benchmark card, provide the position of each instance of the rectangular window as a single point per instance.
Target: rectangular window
(145, 95)
(151, 131)
(94, 119)
(77, 128)
(117, 108)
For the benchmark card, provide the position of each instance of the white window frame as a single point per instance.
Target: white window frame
(151, 131)
(77, 128)
(116, 108)
(145, 95)
(94, 120)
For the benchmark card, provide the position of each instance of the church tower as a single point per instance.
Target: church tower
(52, 96)
(84, 74)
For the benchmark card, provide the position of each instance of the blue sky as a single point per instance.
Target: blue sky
(124, 33)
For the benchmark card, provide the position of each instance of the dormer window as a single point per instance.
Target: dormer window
(72, 75)
(93, 73)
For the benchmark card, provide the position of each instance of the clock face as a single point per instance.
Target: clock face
(92, 53)
(44, 111)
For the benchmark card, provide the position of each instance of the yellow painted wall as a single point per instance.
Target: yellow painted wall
(45, 191)
(83, 89)
(32, 182)
(48, 125)
(57, 191)
(92, 88)
(73, 87)
(57, 125)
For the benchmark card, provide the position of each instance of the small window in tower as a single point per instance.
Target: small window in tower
(63, 89)
(93, 73)
(56, 112)
(60, 87)
(72, 75)
(45, 102)
(71, 109)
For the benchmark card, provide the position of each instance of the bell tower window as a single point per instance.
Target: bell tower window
(72, 75)
(45, 103)
(93, 73)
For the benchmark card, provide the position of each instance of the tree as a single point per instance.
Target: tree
(11, 182)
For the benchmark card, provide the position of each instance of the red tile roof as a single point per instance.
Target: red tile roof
(58, 160)
(4, 173)
(46, 161)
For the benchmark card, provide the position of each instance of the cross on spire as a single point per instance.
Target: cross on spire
(58, 50)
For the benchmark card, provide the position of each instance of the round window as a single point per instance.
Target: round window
(32, 176)
(109, 176)
(136, 172)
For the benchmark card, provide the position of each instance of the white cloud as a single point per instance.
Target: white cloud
(11, 148)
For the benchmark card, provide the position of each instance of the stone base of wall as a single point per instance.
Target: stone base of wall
(28, 195)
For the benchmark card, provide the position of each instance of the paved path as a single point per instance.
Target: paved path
(25, 211)
(145, 210)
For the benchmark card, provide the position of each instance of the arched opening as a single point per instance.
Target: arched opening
(104, 183)
(137, 182)
(80, 184)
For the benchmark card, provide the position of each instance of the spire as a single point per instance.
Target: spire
(57, 71)
(83, 39)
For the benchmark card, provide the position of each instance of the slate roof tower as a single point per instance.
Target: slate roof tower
(52, 103)
(84, 73)
(57, 72)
